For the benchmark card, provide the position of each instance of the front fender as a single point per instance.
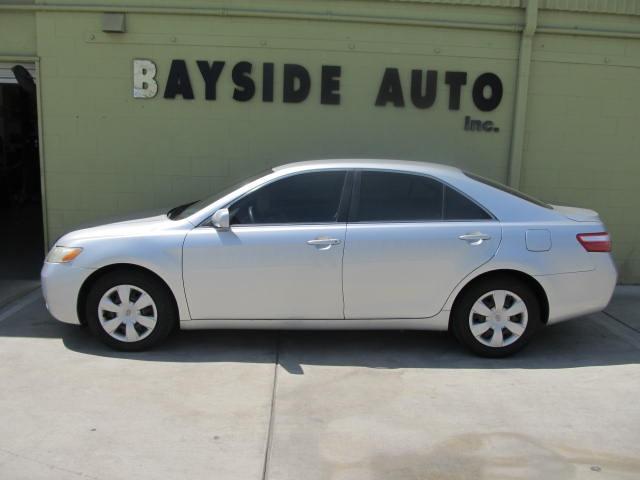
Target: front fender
(160, 254)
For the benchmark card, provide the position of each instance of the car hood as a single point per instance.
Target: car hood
(134, 226)
(577, 214)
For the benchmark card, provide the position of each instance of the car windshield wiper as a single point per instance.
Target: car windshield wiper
(175, 211)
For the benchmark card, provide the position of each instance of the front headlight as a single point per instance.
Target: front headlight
(63, 254)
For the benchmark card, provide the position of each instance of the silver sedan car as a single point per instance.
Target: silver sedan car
(339, 244)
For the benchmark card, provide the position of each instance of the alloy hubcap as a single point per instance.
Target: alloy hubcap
(498, 318)
(127, 313)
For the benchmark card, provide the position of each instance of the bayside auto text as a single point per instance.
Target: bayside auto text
(296, 80)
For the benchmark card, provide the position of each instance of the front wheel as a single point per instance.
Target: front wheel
(130, 310)
(497, 317)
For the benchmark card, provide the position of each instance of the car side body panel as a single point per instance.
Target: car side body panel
(575, 281)
(264, 272)
(407, 270)
(438, 322)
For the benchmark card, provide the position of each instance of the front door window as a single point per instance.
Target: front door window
(299, 199)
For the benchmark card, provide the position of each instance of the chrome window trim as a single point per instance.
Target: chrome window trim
(430, 222)
(307, 224)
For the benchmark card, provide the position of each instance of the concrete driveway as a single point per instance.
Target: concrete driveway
(319, 405)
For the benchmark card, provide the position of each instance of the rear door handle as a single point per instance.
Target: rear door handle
(475, 238)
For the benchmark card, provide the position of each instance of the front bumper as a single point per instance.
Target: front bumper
(61, 283)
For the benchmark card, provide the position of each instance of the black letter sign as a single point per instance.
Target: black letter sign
(178, 82)
(330, 85)
(390, 89)
(487, 80)
(293, 72)
(426, 99)
(210, 74)
(240, 76)
(455, 80)
(267, 82)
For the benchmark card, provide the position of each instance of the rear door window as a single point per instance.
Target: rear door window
(398, 197)
(404, 197)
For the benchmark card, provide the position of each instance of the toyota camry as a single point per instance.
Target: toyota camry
(339, 244)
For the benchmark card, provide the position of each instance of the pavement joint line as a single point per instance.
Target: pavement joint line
(619, 329)
(12, 298)
(17, 305)
(45, 464)
(267, 452)
(620, 321)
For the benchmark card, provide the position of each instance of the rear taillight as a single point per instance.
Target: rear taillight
(595, 242)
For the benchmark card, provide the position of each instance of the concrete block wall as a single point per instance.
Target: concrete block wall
(108, 153)
(582, 143)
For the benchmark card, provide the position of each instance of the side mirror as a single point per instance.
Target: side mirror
(220, 219)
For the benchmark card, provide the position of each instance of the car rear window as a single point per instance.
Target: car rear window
(460, 208)
(509, 190)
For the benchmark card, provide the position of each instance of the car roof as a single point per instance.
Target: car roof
(363, 163)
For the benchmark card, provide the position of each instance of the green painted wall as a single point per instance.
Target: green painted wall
(582, 142)
(107, 153)
(17, 33)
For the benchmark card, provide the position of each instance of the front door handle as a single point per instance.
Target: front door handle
(323, 242)
(475, 238)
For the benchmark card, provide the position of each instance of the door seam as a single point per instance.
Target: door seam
(344, 247)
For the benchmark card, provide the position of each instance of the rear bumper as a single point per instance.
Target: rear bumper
(61, 284)
(574, 294)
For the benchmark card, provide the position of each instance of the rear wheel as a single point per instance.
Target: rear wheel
(497, 317)
(130, 310)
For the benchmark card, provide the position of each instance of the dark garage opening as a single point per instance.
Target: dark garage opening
(22, 236)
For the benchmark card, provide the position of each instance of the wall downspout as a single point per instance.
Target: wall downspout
(522, 93)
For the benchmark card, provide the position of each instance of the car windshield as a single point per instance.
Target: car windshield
(512, 191)
(183, 211)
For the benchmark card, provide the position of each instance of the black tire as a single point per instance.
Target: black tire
(166, 314)
(460, 321)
